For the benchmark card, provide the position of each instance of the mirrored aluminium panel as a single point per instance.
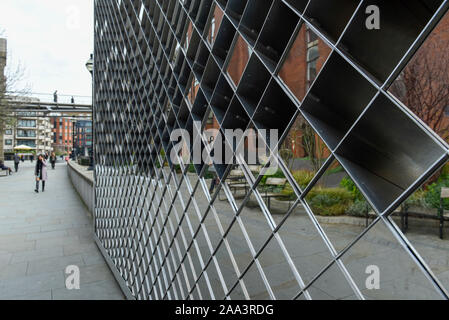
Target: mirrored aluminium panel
(273, 149)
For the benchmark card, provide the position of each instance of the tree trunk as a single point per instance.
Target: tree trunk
(2, 153)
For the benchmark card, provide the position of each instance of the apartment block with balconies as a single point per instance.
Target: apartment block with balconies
(31, 129)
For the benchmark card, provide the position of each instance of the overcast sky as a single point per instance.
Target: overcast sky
(53, 39)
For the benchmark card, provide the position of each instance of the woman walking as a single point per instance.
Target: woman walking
(41, 173)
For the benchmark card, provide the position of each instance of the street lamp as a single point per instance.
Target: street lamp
(90, 68)
(90, 64)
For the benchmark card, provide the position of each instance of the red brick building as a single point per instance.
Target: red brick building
(305, 60)
(63, 134)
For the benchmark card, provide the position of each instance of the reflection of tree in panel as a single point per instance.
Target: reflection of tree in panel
(303, 142)
(423, 86)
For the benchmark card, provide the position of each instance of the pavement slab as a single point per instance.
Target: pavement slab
(41, 234)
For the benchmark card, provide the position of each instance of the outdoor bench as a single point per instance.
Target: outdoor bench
(441, 216)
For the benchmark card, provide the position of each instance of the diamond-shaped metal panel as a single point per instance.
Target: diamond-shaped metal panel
(199, 64)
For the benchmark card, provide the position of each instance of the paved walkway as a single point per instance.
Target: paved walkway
(41, 234)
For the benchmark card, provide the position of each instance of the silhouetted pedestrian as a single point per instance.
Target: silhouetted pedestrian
(73, 100)
(40, 172)
(53, 160)
(55, 96)
(16, 162)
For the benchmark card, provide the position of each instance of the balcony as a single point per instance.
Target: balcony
(25, 137)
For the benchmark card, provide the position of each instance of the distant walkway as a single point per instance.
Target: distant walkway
(41, 234)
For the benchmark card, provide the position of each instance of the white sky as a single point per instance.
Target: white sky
(53, 39)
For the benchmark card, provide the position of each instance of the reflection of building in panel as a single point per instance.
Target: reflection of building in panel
(349, 152)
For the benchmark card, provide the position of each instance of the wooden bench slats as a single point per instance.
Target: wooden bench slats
(276, 181)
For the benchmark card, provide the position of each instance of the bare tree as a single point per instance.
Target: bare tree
(423, 86)
(314, 148)
(10, 90)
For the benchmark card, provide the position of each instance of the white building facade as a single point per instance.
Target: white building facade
(31, 130)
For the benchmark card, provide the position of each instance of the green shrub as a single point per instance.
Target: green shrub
(303, 177)
(191, 168)
(209, 175)
(445, 171)
(433, 193)
(84, 161)
(349, 185)
(329, 201)
(359, 208)
(417, 199)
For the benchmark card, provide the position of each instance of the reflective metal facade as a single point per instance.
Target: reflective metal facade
(167, 237)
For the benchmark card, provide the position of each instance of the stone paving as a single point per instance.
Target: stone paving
(400, 276)
(41, 234)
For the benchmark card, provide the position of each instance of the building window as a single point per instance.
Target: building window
(26, 134)
(212, 31)
(311, 36)
(8, 132)
(29, 143)
(186, 44)
(8, 142)
(26, 123)
(312, 56)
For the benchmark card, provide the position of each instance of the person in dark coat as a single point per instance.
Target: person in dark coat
(5, 168)
(53, 160)
(40, 172)
(16, 162)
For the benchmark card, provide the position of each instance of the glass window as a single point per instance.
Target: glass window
(311, 36)
(186, 44)
(8, 132)
(26, 134)
(29, 143)
(312, 56)
(8, 142)
(312, 59)
(26, 123)
(212, 31)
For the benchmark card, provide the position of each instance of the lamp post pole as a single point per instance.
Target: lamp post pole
(90, 68)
